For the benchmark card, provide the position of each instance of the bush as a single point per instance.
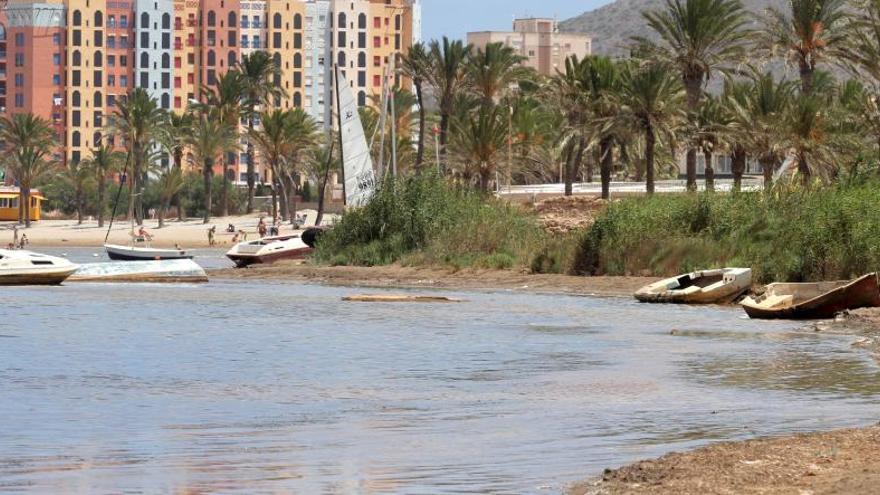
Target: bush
(424, 221)
(786, 235)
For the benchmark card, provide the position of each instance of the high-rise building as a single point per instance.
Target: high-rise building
(539, 41)
(71, 60)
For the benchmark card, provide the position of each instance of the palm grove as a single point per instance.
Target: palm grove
(495, 122)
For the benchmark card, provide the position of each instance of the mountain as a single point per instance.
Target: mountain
(613, 25)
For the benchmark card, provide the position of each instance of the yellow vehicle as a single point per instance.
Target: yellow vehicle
(9, 200)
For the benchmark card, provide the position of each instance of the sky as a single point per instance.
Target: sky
(454, 18)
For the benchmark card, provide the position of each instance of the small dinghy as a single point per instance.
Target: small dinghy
(269, 250)
(813, 301)
(163, 271)
(144, 253)
(20, 267)
(719, 286)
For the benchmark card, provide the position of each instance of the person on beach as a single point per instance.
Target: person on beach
(24, 241)
(142, 233)
(242, 235)
(261, 227)
(211, 233)
(235, 238)
(14, 236)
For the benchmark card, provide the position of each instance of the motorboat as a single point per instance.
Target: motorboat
(718, 286)
(156, 271)
(269, 250)
(813, 301)
(21, 267)
(142, 251)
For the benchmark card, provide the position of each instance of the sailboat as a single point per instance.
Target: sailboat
(358, 176)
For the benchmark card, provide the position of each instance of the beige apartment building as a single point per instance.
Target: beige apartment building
(539, 41)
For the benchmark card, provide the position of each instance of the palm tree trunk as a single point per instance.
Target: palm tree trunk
(804, 169)
(282, 200)
(136, 186)
(738, 166)
(710, 171)
(162, 207)
(694, 90)
(444, 134)
(251, 168)
(80, 204)
(605, 168)
(650, 141)
(320, 215)
(26, 192)
(806, 73)
(178, 196)
(100, 212)
(569, 167)
(291, 196)
(420, 154)
(224, 193)
(767, 169)
(485, 173)
(206, 176)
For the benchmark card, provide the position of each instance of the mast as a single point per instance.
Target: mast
(339, 131)
(393, 119)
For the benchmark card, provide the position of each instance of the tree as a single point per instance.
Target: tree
(707, 131)
(103, 163)
(492, 70)
(448, 77)
(173, 139)
(416, 64)
(169, 184)
(601, 82)
(137, 121)
(810, 131)
(321, 164)
(651, 100)
(808, 32)
(29, 143)
(698, 37)
(477, 140)
(223, 100)
(210, 137)
(77, 174)
(259, 74)
(565, 92)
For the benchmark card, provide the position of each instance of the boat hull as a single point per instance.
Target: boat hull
(162, 271)
(243, 260)
(121, 253)
(861, 293)
(705, 287)
(44, 278)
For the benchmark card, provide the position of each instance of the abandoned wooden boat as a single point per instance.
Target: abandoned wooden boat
(21, 267)
(158, 271)
(813, 301)
(718, 286)
(269, 250)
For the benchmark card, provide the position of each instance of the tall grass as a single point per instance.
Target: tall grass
(788, 235)
(425, 221)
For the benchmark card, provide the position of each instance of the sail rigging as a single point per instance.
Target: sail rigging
(359, 178)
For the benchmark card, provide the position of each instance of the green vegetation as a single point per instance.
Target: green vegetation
(787, 235)
(424, 221)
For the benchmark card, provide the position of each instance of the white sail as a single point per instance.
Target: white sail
(357, 166)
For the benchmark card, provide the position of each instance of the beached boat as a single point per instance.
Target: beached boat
(269, 250)
(813, 301)
(159, 271)
(718, 286)
(144, 253)
(29, 268)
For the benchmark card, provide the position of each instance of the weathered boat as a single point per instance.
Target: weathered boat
(20, 267)
(144, 253)
(717, 286)
(158, 271)
(269, 250)
(813, 301)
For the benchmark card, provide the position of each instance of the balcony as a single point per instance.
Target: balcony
(191, 22)
(178, 45)
(3, 55)
(245, 43)
(190, 42)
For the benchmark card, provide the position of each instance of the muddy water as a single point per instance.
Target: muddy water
(251, 388)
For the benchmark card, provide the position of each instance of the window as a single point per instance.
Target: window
(297, 100)
(166, 101)
(232, 20)
(75, 137)
(19, 100)
(362, 60)
(145, 60)
(166, 61)
(145, 21)
(362, 78)
(377, 42)
(233, 39)
(145, 80)
(77, 58)
(212, 18)
(111, 21)
(123, 81)
(178, 82)
(99, 19)
(111, 41)
(276, 21)
(123, 21)
(111, 60)
(76, 77)
(166, 21)
(230, 58)
(56, 79)
(377, 81)
(76, 118)
(362, 40)
(377, 61)
(276, 40)
(56, 39)
(145, 40)
(77, 18)
(19, 80)
(377, 22)
(111, 80)
(297, 41)
(362, 21)
(99, 59)
(341, 59)
(178, 63)
(166, 41)
(297, 61)
(190, 78)
(297, 79)
(212, 57)
(98, 78)
(342, 20)
(77, 37)
(56, 59)
(397, 22)
(297, 21)
(341, 42)
(123, 60)
(362, 99)
(98, 119)
(245, 23)
(19, 59)
(19, 39)
(178, 102)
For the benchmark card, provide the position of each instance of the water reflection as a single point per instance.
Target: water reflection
(261, 387)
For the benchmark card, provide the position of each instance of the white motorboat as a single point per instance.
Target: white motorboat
(144, 253)
(269, 250)
(167, 271)
(22, 267)
(718, 286)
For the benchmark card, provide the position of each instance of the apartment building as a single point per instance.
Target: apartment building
(539, 41)
(71, 60)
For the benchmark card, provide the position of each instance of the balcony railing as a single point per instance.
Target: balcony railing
(178, 45)
(178, 24)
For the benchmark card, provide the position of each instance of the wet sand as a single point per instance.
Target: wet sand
(439, 278)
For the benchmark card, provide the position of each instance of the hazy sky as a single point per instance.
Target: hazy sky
(454, 18)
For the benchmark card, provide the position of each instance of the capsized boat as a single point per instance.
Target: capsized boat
(22, 267)
(813, 301)
(269, 250)
(157, 271)
(144, 253)
(717, 286)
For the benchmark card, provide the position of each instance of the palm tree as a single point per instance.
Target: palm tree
(210, 137)
(812, 133)
(322, 163)
(862, 109)
(808, 32)
(77, 174)
(600, 83)
(707, 132)
(29, 143)
(448, 77)
(757, 116)
(170, 183)
(735, 91)
(137, 121)
(565, 92)
(492, 70)
(102, 164)
(698, 37)
(416, 64)
(650, 99)
(258, 75)
(173, 138)
(224, 100)
(478, 139)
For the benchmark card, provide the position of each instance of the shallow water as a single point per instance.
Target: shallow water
(268, 387)
(209, 259)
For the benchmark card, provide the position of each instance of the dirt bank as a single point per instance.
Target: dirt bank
(409, 277)
(839, 462)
